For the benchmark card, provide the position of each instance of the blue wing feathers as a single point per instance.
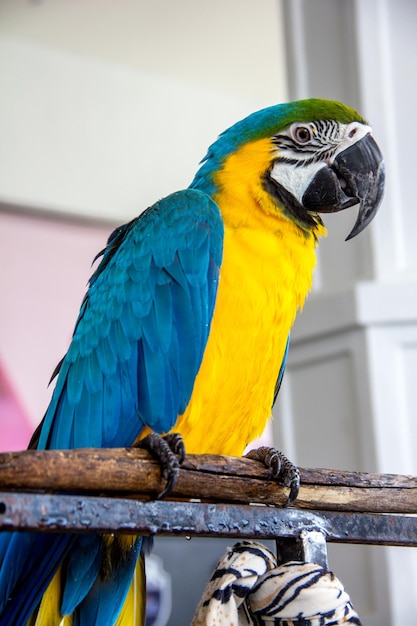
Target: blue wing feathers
(194, 261)
(12, 562)
(120, 341)
(176, 272)
(107, 357)
(160, 278)
(62, 435)
(138, 344)
(103, 603)
(93, 380)
(83, 566)
(163, 314)
(150, 331)
(49, 550)
(76, 380)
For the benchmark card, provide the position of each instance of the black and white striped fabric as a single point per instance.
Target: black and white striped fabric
(248, 588)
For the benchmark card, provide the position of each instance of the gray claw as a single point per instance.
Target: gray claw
(169, 450)
(281, 468)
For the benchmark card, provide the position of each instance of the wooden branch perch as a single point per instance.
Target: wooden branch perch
(131, 472)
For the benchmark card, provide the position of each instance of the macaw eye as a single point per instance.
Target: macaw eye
(302, 134)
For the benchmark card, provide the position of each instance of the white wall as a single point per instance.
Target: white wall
(107, 106)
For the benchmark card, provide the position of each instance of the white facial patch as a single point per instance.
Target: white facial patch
(297, 162)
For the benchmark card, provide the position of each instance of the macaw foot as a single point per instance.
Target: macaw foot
(169, 450)
(281, 468)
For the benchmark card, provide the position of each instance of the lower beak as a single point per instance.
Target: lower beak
(357, 175)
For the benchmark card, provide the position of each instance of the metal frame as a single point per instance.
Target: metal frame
(300, 534)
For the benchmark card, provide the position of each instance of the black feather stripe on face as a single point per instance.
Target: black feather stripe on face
(307, 221)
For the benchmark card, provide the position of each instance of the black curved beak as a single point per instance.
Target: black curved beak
(357, 175)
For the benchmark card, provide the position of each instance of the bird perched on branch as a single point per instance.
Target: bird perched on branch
(185, 329)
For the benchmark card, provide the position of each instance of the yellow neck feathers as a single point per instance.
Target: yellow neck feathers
(265, 276)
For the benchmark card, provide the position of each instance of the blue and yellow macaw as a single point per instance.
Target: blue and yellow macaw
(185, 328)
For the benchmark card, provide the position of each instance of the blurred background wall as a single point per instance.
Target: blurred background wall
(105, 107)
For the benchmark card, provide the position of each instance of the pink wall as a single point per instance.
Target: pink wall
(44, 268)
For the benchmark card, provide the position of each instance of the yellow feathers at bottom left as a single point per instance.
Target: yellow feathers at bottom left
(132, 613)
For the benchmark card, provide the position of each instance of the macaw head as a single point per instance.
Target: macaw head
(308, 157)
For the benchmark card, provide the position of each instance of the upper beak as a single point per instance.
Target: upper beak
(357, 175)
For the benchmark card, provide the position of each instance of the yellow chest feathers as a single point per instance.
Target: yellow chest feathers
(265, 275)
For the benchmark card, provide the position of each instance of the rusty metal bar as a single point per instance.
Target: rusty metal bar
(74, 513)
